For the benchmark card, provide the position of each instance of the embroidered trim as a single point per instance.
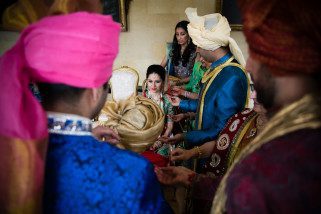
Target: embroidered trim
(159, 102)
(68, 124)
(223, 142)
(302, 114)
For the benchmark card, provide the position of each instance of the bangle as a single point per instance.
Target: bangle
(198, 151)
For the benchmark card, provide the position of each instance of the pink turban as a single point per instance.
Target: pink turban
(76, 49)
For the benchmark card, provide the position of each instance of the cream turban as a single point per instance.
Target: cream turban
(212, 31)
(138, 120)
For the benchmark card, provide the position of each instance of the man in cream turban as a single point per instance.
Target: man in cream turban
(279, 172)
(225, 86)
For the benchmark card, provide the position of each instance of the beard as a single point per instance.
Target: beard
(265, 89)
(100, 104)
(265, 97)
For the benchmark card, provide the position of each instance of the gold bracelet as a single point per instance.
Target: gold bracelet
(199, 151)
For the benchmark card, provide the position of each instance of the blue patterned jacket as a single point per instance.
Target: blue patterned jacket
(84, 175)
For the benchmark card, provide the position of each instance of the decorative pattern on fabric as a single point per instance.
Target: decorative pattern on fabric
(302, 114)
(185, 71)
(84, 175)
(68, 124)
(229, 142)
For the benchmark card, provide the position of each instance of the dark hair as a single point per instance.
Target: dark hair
(157, 69)
(176, 48)
(52, 93)
(316, 78)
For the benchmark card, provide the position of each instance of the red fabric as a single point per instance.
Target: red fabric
(157, 159)
(229, 140)
(205, 186)
(282, 35)
(283, 176)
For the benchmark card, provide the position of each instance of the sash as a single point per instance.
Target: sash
(207, 80)
(239, 131)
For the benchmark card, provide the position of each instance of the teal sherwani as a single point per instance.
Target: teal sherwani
(224, 92)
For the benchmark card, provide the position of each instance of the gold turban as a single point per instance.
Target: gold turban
(138, 120)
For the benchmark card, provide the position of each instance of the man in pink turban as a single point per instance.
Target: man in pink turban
(71, 58)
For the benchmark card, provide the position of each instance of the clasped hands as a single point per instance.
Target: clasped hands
(174, 100)
(176, 91)
(106, 134)
(177, 117)
(171, 140)
(177, 175)
(178, 154)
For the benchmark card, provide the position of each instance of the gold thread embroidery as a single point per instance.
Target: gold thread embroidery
(301, 114)
(238, 137)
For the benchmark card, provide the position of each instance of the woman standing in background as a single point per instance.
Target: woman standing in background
(180, 60)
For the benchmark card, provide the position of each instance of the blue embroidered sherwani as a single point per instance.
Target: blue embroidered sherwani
(225, 96)
(84, 175)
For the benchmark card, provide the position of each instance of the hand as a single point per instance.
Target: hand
(174, 100)
(179, 154)
(177, 117)
(172, 82)
(106, 134)
(176, 91)
(171, 140)
(174, 175)
(156, 145)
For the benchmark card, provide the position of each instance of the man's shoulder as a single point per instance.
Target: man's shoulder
(232, 70)
(285, 156)
(124, 157)
(294, 145)
(227, 75)
(289, 164)
(98, 151)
